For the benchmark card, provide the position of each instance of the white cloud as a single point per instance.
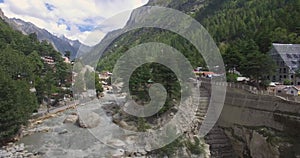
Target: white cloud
(73, 19)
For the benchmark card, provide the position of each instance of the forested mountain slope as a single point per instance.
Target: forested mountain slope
(21, 69)
(243, 29)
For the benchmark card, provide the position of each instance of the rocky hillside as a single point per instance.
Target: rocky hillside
(61, 44)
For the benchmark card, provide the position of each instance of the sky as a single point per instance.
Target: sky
(75, 19)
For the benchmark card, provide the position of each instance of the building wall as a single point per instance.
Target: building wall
(283, 72)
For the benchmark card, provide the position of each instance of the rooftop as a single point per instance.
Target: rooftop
(290, 53)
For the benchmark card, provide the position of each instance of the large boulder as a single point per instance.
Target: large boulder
(88, 119)
(260, 148)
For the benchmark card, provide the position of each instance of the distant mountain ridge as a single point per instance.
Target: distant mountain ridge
(61, 44)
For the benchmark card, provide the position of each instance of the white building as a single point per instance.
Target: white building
(287, 59)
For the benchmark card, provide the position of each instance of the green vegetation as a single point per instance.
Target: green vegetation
(142, 125)
(170, 149)
(287, 82)
(92, 81)
(139, 83)
(195, 148)
(245, 30)
(232, 77)
(16, 105)
(21, 69)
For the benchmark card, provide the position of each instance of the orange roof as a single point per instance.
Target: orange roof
(207, 73)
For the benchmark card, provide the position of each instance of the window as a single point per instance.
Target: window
(298, 83)
(288, 56)
(284, 76)
(280, 77)
(292, 76)
(284, 70)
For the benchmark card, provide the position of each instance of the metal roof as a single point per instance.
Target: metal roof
(290, 54)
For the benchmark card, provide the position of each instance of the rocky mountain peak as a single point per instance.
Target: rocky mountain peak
(2, 16)
(61, 44)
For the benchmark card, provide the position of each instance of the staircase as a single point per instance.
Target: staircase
(220, 146)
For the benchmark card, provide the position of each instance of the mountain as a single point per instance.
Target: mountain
(244, 27)
(135, 37)
(61, 44)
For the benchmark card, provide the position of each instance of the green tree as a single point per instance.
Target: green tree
(68, 54)
(232, 58)
(35, 58)
(257, 66)
(16, 105)
(287, 82)
(98, 84)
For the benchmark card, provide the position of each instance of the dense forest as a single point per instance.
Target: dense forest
(22, 70)
(245, 30)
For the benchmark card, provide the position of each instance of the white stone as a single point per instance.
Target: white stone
(116, 143)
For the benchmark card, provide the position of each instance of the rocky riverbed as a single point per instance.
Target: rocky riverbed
(12, 150)
(71, 133)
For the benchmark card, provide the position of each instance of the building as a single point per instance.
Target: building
(67, 60)
(287, 59)
(292, 90)
(283, 90)
(104, 76)
(48, 60)
(242, 79)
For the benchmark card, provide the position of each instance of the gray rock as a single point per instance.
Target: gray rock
(138, 154)
(118, 153)
(13, 150)
(123, 124)
(43, 129)
(64, 131)
(259, 147)
(28, 155)
(5, 154)
(148, 147)
(142, 152)
(116, 143)
(116, 117)
(20, 148)
(88, 119)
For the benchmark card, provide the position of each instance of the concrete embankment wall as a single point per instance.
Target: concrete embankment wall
(244, 108)
(257, 110)
(260, 125)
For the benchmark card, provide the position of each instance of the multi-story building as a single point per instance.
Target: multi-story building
(287, 59)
